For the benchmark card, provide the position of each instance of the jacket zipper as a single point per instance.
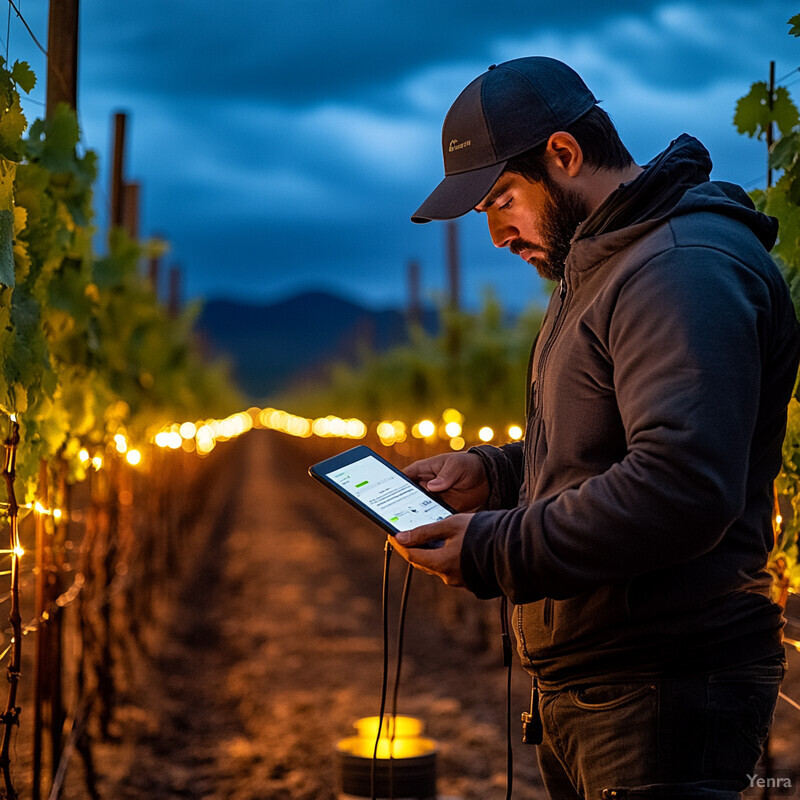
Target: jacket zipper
(548, 346)
(536, 394)
(537, 386)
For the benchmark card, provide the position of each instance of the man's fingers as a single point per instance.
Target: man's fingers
(419, 536)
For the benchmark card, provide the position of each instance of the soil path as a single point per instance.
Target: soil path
(275, 647)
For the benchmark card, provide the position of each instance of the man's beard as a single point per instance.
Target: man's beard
(563, 211)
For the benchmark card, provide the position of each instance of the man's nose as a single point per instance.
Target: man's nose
(502, 233)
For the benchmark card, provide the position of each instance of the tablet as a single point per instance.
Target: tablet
(379, 490)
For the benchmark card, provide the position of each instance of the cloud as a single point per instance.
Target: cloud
(297, 52)
(285, 143)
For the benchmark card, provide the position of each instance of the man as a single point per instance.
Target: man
(632, 526)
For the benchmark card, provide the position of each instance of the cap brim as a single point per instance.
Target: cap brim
(458, 194)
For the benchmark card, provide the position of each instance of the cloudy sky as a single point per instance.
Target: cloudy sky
(281, 145)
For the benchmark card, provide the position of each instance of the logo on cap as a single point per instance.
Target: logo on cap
(456, 145)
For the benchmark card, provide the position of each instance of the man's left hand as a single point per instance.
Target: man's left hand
(444, 561)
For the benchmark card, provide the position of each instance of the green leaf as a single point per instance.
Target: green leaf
(61, 135)
(23, 76)
(785, 151)
(12, 126)
(795, 23)
(751, 110)
(784, 111)
(753, 113)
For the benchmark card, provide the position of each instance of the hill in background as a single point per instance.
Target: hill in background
(271, 346)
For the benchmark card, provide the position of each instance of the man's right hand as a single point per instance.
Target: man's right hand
(459, 478)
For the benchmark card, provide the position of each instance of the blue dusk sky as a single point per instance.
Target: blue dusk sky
(281, 145)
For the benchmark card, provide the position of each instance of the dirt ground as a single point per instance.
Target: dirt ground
(273, 648)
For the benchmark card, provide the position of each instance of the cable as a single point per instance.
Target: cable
(507, 662)
(398, 667)
(387, 550)
(27, 27)
(789, 700)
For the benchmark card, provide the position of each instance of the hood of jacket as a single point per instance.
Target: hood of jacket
(674, 183)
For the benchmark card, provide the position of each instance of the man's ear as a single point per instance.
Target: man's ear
(564, 155)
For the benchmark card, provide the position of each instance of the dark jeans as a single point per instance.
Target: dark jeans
(697, 737)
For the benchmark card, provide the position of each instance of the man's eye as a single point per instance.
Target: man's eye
(507, 204)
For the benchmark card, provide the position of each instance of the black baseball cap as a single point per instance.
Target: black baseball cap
(509, 109)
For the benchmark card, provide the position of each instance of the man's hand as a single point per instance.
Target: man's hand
(459, 478)
(444, 561)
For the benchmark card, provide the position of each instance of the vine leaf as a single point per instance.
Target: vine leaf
(795, 23)
(23, 76)
(753, 114)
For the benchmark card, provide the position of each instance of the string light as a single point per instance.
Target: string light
(452, 415)
(453, 429)
(425, 428)
(202, 437)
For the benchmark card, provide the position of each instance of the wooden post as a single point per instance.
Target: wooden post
(770, 134)
(62, 55)
(130, 209)
(42, 661)
(117, 176)
(154, 274)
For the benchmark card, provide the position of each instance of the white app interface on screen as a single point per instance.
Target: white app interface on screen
(391, 497)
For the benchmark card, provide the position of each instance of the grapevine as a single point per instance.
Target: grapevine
(90, 357)
(755, 113)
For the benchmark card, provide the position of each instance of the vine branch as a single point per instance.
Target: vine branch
(10, 717)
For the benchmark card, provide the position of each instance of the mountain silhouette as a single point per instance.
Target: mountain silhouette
(270, 346)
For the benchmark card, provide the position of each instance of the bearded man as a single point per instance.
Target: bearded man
(632, 525)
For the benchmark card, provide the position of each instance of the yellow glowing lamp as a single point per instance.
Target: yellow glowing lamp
(426, 428)
(453, 429)
(486, 434)
(83, 455)
(406, 760)
(457, 443)
(133, 457)
(385, 430)
(515, 432)
(188, 430)
(408, 741)
(19, 552)
(452, 415)
(355, 429)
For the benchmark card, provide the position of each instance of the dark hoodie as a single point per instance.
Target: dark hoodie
(633, 526)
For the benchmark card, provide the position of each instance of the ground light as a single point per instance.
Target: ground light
(405, 766)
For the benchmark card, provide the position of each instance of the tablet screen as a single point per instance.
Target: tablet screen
(389, 495)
